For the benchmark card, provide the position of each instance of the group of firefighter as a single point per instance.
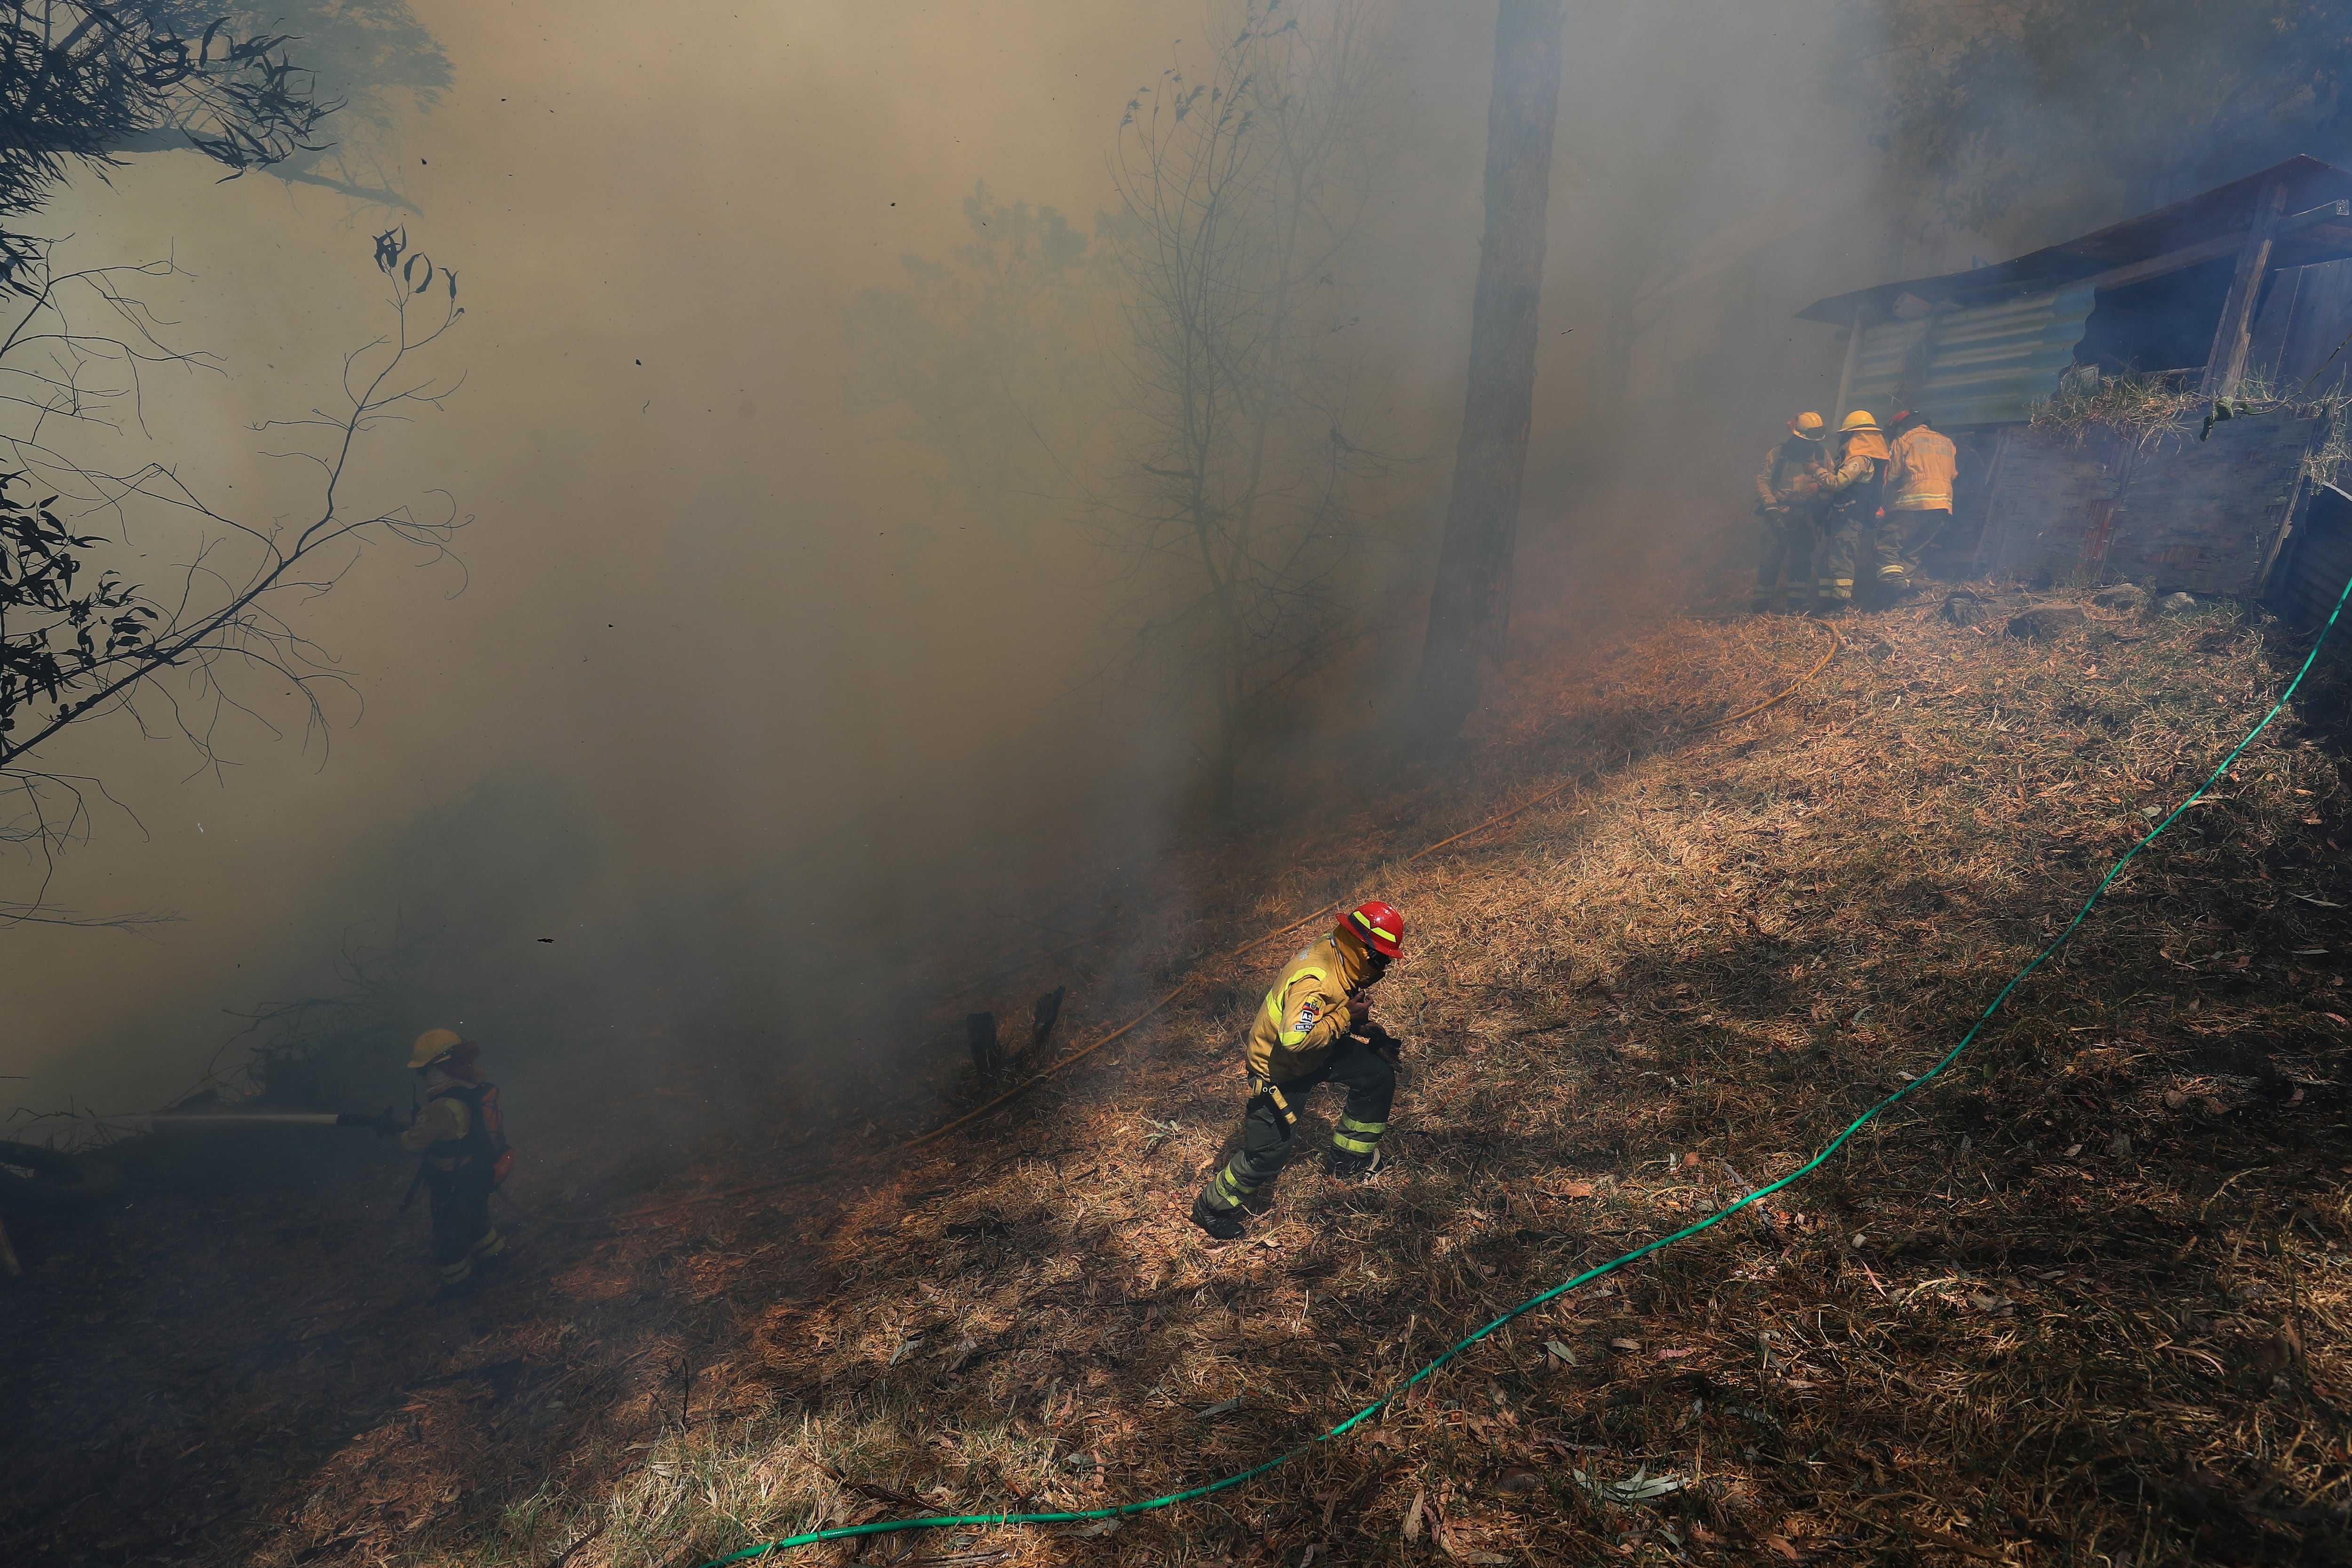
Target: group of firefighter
(1831, 505)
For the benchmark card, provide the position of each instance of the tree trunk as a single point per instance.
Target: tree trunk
(1470, 606)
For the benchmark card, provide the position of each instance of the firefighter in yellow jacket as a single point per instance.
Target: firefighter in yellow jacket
(1789, 499)
(1314, 1026)
(1921, 464)
(1854, 487)
(461, 1133)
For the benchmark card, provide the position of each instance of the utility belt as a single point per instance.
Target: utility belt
(1373, 1038)
(1267, 1088)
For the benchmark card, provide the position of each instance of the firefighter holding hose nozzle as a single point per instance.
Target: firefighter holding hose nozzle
(1314, 1026)
(461, 1133)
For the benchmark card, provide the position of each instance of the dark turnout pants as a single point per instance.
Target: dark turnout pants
(1273, 1112)
(1902, 539)
(1841, 547)
(1785, 544)
(462, 1231)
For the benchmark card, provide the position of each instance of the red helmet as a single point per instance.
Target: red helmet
(1377, 926)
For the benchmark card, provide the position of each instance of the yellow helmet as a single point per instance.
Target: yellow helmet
(432, 1045)
(1809, 426)
(1859, 419)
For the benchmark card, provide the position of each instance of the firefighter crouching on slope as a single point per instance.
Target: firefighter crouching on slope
(1921, 465)
(461, 1133)
(1789, 496)
(1314, 1027)
(1854, 489)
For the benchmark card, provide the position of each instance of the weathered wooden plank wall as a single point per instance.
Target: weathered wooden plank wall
(2183, 515)
(2043, 506)
(2203, 516)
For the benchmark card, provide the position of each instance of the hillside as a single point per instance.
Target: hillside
(2083, 1301)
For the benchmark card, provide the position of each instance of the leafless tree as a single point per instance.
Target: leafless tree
(80, 640)
(987, 361)
(1241, 507)
(1999, 107)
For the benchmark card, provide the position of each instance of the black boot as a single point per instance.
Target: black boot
(1348, 1167)
(1222, 1225)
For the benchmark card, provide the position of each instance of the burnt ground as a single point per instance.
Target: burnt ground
(2083, 1301)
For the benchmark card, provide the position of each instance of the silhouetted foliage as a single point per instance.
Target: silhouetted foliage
(374, 60)
(1988, 107)
(1243, 502)
(83, 80)
(51, 637)
(1186, 385)
(984, 360)
(80, 640)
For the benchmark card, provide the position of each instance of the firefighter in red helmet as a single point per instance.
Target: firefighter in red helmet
(1314, 1026)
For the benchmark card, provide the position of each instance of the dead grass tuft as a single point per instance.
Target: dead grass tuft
(2136, 407)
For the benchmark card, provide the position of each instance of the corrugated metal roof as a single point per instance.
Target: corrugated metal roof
(2221, 210)
(1984, 366)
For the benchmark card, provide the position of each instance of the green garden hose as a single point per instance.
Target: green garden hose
(1148, 1505)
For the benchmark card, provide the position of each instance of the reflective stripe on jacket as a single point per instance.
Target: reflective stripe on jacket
(1306, 1012)
(1919, 477)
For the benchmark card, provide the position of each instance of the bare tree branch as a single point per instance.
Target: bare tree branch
(74, 649)
(1249, 456)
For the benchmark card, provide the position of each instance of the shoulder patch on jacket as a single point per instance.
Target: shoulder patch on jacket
(1308, 1011)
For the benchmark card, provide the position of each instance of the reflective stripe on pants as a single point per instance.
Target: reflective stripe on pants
(1267, 1121)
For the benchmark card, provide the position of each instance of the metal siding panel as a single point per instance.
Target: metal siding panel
(1879, 366)
(1984, 366)
(2322, 558)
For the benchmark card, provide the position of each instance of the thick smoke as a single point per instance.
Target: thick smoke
(748, 722)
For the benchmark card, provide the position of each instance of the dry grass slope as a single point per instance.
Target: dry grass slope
(2084, 1302)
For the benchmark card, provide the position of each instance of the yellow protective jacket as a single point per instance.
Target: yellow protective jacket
(1854, 487)
(1793, 472)
(1854, 455)
(1306, 1012)
(443, 1120)
(1919, 477)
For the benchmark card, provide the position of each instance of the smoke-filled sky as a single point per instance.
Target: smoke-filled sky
(718, 677)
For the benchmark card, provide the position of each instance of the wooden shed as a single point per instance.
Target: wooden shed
(2245, 290)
